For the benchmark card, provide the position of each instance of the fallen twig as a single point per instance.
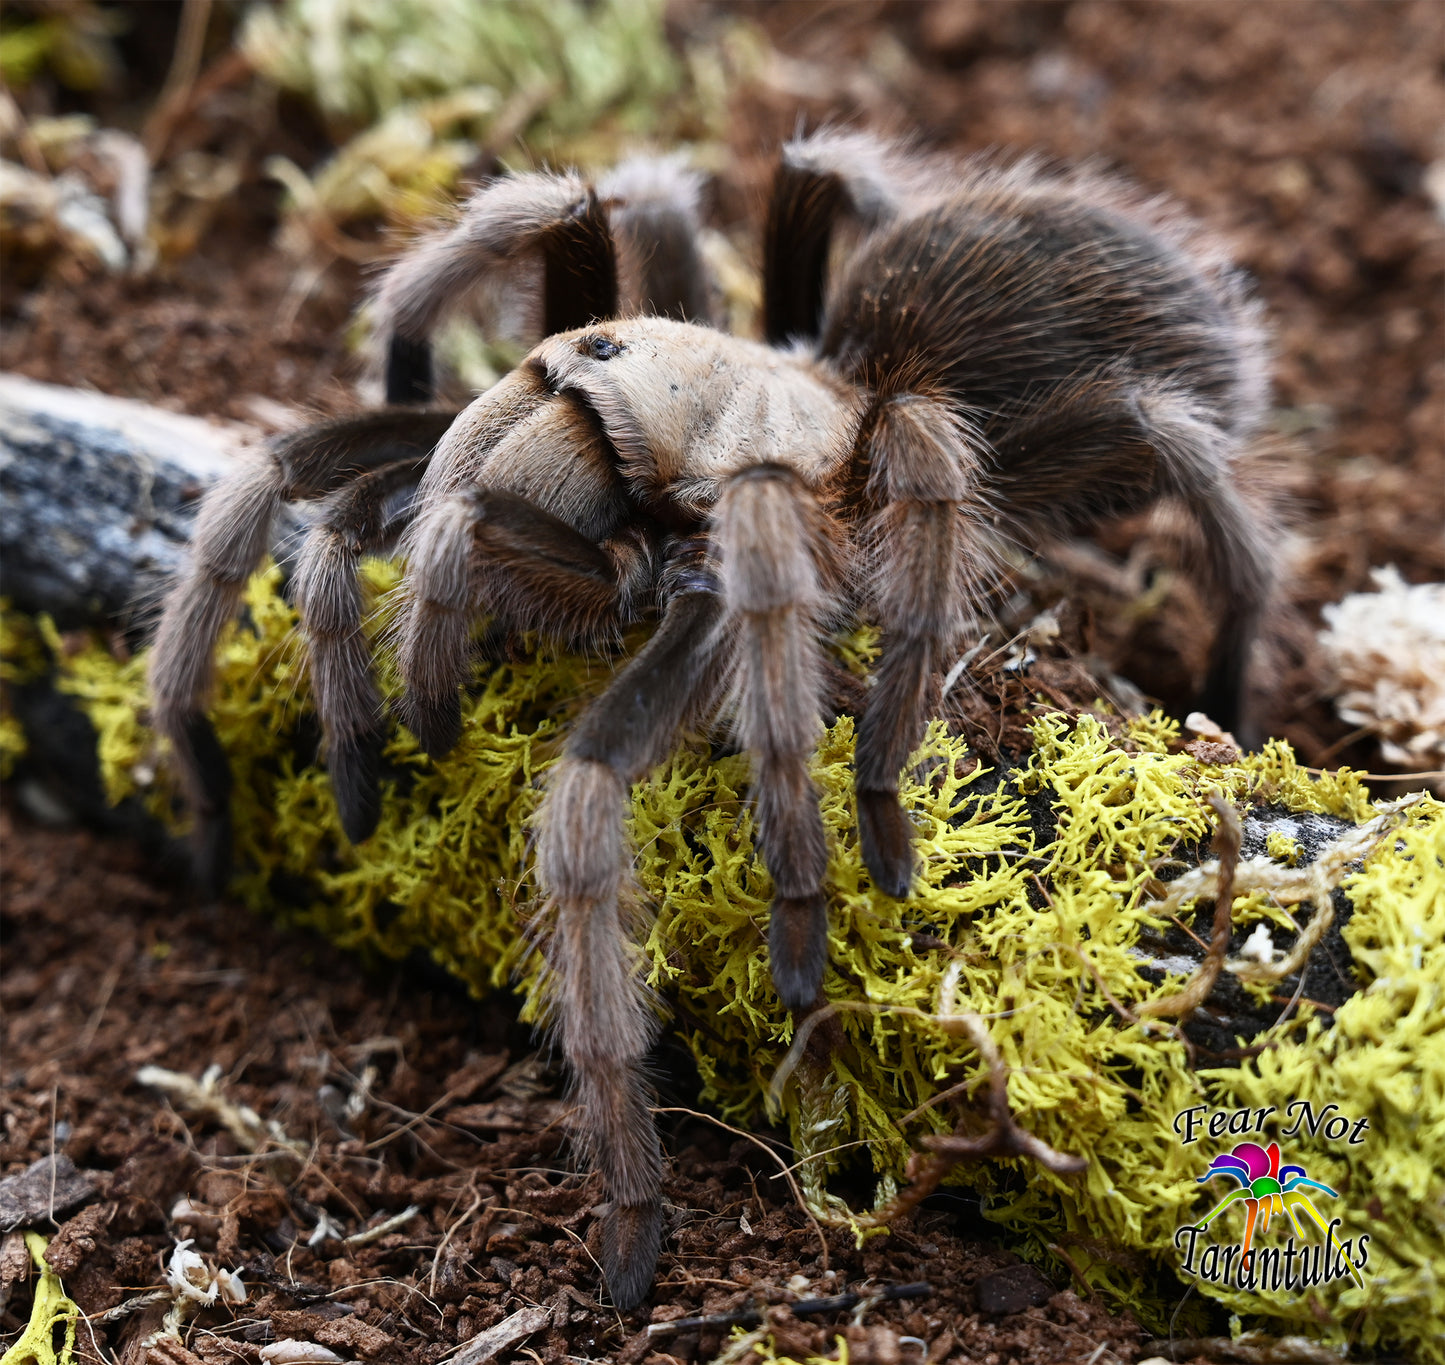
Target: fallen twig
(749, 1317)
(205, 1099)
(391, 1224)
(124, 1310)
(1287, 885)
(1253, 1348)
(1227, 841)
(488, 1345)
(786, 1170)
(1004, 1138)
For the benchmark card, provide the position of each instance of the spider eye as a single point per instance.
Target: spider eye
(599, 347)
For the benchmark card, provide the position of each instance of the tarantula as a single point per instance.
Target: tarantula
(955, 355)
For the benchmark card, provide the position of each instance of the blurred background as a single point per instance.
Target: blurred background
(194, 192)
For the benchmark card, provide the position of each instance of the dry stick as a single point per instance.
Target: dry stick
(1343, 742)
(783, 1166)
(382, 1229)
(944, 1019)
(446, 1239)
(1063, 1255)
(1324, 873)
(1313, 884)
(1432, 776)
(180, 79)
(746, 1317)
(97, 1015)
(1004, 1138)
(1227, 840)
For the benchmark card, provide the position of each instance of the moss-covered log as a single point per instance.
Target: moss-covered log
(1043, 916)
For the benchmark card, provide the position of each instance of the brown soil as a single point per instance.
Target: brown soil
(402, 1093)
(1303, 131)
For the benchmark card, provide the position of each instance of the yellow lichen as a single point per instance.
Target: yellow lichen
(1034, 891)
(50, 1310)
(1282, 848)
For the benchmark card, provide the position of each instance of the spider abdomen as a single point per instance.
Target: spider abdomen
(997, 297)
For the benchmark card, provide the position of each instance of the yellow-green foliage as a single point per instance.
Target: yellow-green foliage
(416, 89)
(360, 59)
(50, 1311)
(1038, 935)
(1282, 848)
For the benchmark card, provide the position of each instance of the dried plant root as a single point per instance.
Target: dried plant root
(1223, 879)
(1227, 840)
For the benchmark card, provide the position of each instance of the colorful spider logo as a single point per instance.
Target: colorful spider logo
(1267, 1189)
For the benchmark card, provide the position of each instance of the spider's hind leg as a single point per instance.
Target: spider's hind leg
(1237, 555)
(1103, 444)
(824, 183)
(652, 204)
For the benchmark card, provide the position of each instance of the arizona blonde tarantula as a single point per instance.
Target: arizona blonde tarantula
(955, 355)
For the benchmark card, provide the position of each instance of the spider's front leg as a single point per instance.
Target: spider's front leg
(778, 572)
(232, 535)
(519, 515)
(922, 470)
(362, 518)
(598, 1004)
(487, 549)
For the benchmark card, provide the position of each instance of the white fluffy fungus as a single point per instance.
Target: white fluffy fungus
(1387, 652)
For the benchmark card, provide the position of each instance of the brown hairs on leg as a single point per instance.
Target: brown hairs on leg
(356, 521)
(556, 219)
(925, 571)
(652, 204)
(776, 569)
(1238, 553)
(598, 1005)
(233, 530)
(1108, 443)
(490, 550)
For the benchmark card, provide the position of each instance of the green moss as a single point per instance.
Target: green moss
(50, 1311)
(1033, 924)
(1282, 848)
(415, 91)
(358, 60)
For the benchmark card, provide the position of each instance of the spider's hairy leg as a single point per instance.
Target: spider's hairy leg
(776, 572)
(233, 530)
(922, 469)
(487, 549)
(652, 205)
(824, 182)
(598, 1004)
(518, 515)
(361, 518)
(555, 218)
(1237, 559)
(1098, 445)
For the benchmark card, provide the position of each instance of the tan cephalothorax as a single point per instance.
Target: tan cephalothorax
(955, 355)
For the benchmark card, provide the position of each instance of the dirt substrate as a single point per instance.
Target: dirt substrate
(1306, 132)
(402, 1093)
